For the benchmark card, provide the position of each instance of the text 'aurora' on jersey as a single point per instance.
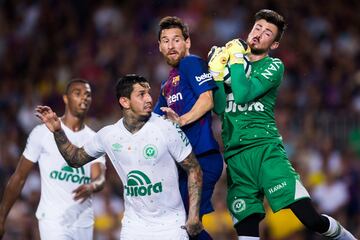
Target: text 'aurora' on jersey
(231, 106)
(74, 175)
(138, 184)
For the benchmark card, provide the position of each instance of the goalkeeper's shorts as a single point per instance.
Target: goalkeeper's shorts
(261, 171)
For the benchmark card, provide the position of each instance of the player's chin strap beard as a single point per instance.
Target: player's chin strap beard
(258, 51)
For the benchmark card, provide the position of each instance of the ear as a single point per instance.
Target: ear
(159, 46)
(65, 99)
(124, 102)
(188, 43)
(274, 45)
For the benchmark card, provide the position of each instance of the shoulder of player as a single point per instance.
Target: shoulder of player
(189, 60)
(40, 129)
(108, 129)
(275, 61)
(160, 123)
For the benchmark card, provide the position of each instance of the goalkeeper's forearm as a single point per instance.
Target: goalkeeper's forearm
(243, 89)
(219, 99)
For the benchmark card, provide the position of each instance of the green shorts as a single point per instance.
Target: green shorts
(257, 172)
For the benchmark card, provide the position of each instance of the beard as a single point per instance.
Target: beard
(174, 62)
(258, 51)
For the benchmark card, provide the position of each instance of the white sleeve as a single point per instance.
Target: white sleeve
(94, 146)
(33, 145)
(178, 144)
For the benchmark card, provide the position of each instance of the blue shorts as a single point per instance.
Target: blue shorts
(212, 166)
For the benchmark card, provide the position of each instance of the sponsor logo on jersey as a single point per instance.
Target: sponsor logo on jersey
(203, 78)
(175, 80)
(150, 151)
(273, 67)
(69, 174)
(174, 98)
(116, 147)
(231, 106)
(139, 185)
(238, 205)
(277, 187)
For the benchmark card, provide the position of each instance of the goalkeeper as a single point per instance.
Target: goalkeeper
(257, 164)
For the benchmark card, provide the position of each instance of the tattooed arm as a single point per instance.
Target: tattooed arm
(192, 167)
(74, 156)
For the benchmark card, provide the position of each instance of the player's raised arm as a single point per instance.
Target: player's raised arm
(74, 156)
(192, 168)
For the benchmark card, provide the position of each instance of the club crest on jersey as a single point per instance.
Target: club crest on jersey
(175, 80)
(238, 205)
(139, 185)
(150, 151)
(69, 174)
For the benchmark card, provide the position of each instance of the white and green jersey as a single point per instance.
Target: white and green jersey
(146, 164)
(58, 180)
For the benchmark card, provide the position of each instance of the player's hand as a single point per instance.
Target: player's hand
(172, 115)
(218, 57)
(193, 226)
(47, 116)
(237, 49)
(83, 192)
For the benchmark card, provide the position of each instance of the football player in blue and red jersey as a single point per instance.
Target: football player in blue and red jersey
(186, 97)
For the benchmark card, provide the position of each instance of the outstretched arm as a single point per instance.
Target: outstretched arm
(13, 190)
(192, 167)
(202, 105)
(74, 156)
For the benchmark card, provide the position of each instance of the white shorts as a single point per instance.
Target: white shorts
(53, 230)
(172, 234)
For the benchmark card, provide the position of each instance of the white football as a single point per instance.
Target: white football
(247, 68)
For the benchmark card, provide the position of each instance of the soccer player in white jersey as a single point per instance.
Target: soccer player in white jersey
(144, 149)
(65, 208)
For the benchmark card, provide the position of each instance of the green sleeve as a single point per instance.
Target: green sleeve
(219, 99)
(246, 90)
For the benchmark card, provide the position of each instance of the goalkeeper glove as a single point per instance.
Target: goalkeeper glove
(237, 49)
(218, 58)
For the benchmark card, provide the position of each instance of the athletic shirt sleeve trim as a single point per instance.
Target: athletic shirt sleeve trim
(177, 143)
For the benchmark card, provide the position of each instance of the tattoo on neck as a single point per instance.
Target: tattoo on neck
(133, 125)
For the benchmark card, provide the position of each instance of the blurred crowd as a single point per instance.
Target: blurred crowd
(45, 43)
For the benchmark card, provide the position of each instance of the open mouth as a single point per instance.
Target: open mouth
(83, 105)
(172, 54)
(255, 41)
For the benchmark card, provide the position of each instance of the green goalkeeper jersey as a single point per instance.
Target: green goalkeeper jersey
(247, 106)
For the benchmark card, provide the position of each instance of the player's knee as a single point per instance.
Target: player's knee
(250, 225)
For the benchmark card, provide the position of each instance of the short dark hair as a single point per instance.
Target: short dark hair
(73, 81)
(124, 85)
(173, 22)
(274, 18)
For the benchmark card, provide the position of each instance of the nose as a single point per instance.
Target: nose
(148, 98)
(171, 44)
